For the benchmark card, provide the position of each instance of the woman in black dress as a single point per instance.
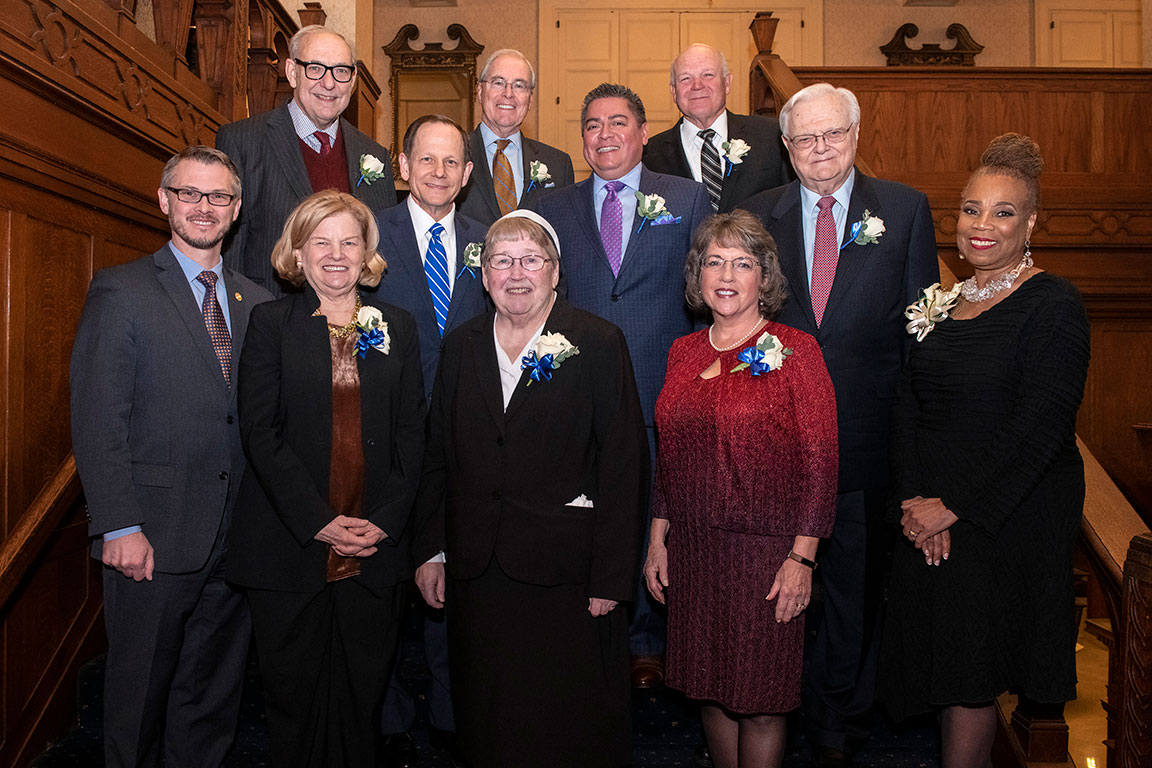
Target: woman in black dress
(988, 477)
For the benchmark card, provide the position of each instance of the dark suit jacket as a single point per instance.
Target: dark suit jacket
(496, 482)
(478, 199)
(404, 282)
(862, 335)
(286, 424)
(153, 421)
(764, 167)
(646, 300)
(267, 152)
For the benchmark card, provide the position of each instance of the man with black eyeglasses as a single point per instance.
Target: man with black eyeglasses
(511, 171)
(302, 147)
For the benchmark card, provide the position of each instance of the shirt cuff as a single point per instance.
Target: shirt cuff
(110, 535)
(437, 558)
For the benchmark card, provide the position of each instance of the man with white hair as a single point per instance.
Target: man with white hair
(734, 156)
(305, 146)
(856, 251)
(511, 171)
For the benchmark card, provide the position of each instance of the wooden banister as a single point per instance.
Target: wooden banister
(27, 539)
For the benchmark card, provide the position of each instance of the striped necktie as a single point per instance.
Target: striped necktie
(502, 180)
(436, 270)
(710, 170)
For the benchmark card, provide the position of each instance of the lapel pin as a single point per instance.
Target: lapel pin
(237, 296)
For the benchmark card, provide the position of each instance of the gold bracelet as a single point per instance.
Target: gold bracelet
(802, 560)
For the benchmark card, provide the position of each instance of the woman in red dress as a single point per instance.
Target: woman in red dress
(745, 488)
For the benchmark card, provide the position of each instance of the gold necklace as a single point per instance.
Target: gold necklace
(744, 338)
(343, 331)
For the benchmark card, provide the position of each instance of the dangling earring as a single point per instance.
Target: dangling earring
(1028, 250)
(961, 257)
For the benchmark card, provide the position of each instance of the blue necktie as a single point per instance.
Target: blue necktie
(436, 269)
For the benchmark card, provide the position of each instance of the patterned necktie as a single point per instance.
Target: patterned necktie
(436, 270)
(825, 251)
(325, 142)
(612, 226)
(502, 180)
(710, 169)
(217, 328)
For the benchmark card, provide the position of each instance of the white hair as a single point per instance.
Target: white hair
(717, 51)
(297, 41)
(816, 90)
(508, 52)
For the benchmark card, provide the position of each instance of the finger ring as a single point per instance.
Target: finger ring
(913, 534)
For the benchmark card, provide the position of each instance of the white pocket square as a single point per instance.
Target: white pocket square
(580, 501)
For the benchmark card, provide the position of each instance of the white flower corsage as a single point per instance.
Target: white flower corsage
(866, 231)
(651, 208)
(768, 355)
(472, 254)
(551, 350)
(734, 151)
(371, 169)
(373, 332)
(538, 174)
(934, 305)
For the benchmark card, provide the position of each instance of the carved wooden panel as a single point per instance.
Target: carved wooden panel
(1135, 716)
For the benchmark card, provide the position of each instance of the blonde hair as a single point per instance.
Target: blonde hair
(302, 222)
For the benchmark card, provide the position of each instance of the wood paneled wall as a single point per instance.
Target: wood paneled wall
(927, 128)
(91, 111)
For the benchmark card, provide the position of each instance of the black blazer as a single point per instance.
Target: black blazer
(497, 483)
(267, 151)
(862, 335)
(478, 199)
(285, 404)
(764, 167)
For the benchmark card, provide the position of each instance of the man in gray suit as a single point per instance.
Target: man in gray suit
(157, 447)
(695, 146)
(512, 171)
(302, 147)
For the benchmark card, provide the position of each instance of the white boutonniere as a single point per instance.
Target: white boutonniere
(866, 231)
(768, 355)
(933, 306)
(371, 169)
(651, 208)
(373, 332)
(472, 254)
(538, 174)
(734, 151)
(550, 351)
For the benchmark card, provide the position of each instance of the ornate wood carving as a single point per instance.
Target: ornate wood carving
(220, 51)
(270, 27)
(1134, 715)
(173, 20)
(311, 14)
(962, 54)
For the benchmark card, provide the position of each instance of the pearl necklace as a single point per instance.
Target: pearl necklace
(744, 338)
(976, 295)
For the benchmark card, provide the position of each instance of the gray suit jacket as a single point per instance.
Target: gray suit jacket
(267, 152)
(154, 427)
(478, 199)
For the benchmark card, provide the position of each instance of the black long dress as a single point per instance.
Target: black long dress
(986, 421)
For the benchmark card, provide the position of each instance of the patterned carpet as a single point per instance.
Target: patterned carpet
(665, 726)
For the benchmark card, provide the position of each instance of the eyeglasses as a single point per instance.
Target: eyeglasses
(499, 83)
(193, 196)
(834, 136)
(314, 70)
(741, 264)
(528, 263)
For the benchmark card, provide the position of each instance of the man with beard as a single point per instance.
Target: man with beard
(157, 446)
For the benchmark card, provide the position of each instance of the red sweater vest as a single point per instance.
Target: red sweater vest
(328, 171)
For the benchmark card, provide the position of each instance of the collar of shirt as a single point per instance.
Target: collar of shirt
(305, 128)
(192, 270)
(692, 143)
(514, 153)
(422, 222)
(808, 212)
(510, 370)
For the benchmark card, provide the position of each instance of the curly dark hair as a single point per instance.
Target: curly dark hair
(738, 229)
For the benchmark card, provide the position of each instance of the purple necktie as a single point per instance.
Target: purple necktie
(612, 225)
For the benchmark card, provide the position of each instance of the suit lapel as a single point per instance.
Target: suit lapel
(352, 151)
(558, 322)
(481, 180)
(528, 154)
(486, 371)
(239, 306)
(649, 185)
(790, 249)
(284, 148)
(406, 250)
(733, 178)
(172, 279)
(465, 280)
(586, 215)
(852, 257)
(673, 150)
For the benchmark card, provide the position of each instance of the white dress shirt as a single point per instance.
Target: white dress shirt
(422, 222)
(692, 143)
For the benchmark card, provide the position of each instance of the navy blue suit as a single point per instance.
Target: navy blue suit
(865, 345)
(646, 301)
(405, 285)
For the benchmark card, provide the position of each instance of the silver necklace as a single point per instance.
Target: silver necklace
(976, 295)
(744, 338)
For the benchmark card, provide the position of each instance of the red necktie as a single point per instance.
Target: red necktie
(217, 328)
(325, 142)
(825, 251)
